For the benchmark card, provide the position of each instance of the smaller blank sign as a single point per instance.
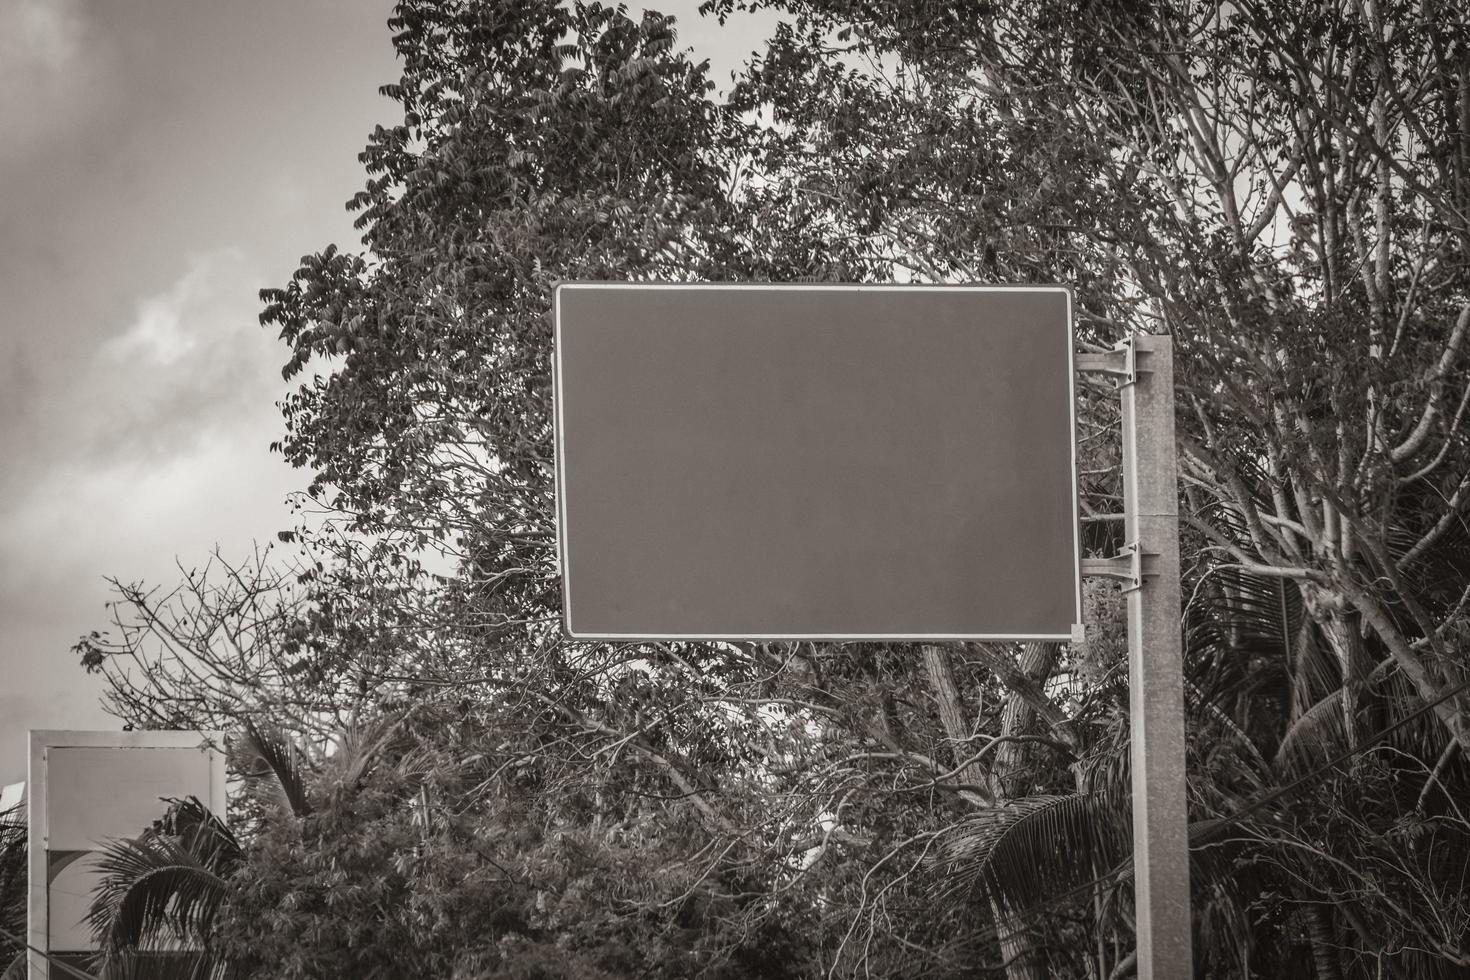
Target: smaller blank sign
(816, 462)
(86, 788)
(101, 792)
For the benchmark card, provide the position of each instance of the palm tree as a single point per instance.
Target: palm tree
(160, 894)
(1291, 859)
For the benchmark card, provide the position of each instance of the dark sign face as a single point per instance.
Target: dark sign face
(816, 462)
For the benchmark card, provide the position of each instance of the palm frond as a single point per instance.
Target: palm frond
(1320, 733)
(1315, 671)
(1217, 846)
(1031, 850)
(14, 877)
(153, 893)
(1438, 572)
(1235, 609)
(363, 747)
(202, 833)
(1419, 735)
(1245, 635)
(183, 897)
(273, 767)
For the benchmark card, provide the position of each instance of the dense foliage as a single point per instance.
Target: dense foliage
(1284, 188)
(13, 876)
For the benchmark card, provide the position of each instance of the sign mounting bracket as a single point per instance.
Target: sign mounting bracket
(1123, 364)
(1130, 565)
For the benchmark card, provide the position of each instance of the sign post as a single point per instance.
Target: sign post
(1143, 367)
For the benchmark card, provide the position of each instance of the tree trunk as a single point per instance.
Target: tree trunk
(1343, 635)
(1324, 942)
(1018, 951)
(1009, 774)
(951, 711)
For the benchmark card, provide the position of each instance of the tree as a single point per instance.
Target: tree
(1216, 183)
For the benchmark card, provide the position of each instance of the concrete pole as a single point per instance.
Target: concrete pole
(1155, 668)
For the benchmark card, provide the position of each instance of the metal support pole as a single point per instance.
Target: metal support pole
(1149, 568)
(1155, 670)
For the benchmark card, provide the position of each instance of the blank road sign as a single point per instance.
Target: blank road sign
(835, 462)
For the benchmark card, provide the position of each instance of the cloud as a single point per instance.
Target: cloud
(130, 519)
(185, 384)
(190, 362)
(20, 384)
(51, 66)
(158, 334)
(44, 34)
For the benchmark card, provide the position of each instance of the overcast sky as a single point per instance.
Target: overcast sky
(162, 160)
